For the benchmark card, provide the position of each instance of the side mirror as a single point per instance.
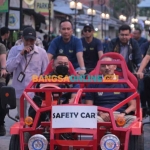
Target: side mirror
(8, 97)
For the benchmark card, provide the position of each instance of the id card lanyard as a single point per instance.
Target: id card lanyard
(22, 74)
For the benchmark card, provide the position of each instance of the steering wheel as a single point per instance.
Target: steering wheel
(50, 85)
(65, 95)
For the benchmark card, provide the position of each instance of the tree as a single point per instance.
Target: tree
(125, 7)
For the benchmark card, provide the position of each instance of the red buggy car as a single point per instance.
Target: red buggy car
(75, 126)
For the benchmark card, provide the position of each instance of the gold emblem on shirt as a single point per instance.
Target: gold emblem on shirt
(116, 92)
(70, 51)
(91, 48)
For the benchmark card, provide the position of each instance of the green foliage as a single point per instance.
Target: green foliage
(125, 7)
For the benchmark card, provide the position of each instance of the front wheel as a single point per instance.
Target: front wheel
(14, 143)
(136, 142)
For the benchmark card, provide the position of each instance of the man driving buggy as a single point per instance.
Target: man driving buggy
(60, 66)
(110, 99)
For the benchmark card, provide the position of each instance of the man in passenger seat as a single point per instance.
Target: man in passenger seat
(110, 99)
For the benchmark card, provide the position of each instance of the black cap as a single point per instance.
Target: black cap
(29, 33)
(88, 26)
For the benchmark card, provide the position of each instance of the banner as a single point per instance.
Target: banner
(3, 5)
(29, 4)
(15, 3)
(74, 116)
(2, 19)
(43, 7)
(14, 20)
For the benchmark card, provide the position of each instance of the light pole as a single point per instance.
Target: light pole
(104, 16)
(74, 5)
(147, 24)
(49, 15)
(91, 12)
(135, 20)
(122, 18)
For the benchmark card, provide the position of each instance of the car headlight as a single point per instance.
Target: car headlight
(37, 142)
(110, 142)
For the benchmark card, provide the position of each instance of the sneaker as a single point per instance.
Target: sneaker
(2, 130)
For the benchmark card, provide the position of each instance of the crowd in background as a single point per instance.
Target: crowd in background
(83, 53)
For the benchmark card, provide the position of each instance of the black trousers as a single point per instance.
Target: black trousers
(145, 93)
(7, 78)
(2, 111)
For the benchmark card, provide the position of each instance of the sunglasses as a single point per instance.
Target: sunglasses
(87, 30)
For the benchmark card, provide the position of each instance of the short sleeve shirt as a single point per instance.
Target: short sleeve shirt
(70, 49)
(2, 51)
(148, 51)
(107, 99)
(90, 52)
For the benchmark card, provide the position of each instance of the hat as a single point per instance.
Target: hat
(88, 26)
(29, 33)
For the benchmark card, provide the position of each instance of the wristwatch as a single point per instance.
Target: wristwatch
(82, 68)
(3, 68)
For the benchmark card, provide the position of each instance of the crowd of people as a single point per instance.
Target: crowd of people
(30, 56)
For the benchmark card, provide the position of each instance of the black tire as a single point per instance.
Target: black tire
(14, 143)
(26, 139)
(136, 142)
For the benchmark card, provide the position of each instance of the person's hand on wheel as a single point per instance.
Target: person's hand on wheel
(105, 116)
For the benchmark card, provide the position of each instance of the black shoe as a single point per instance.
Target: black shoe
(144, 110)
(2, 130)
(17, 117)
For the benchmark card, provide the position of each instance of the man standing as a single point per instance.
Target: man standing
(69, 45)
(145, 100)
(137, 36)
(26, 60)
(4, 32)
(2, 83)
(127, 47)
(93, 48)
(3, 39)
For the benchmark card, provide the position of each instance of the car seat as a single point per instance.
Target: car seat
(122, 70)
